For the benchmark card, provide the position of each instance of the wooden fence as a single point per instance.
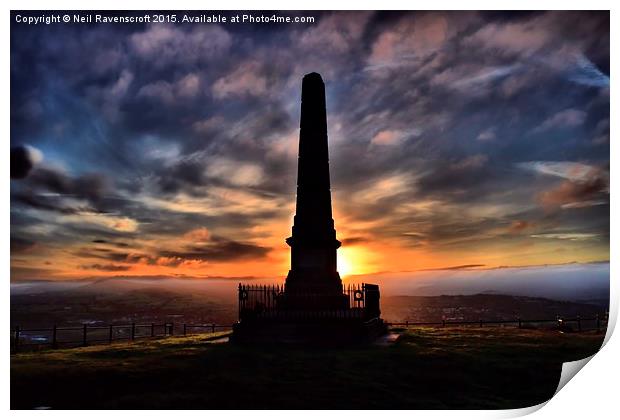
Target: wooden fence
(84, 335)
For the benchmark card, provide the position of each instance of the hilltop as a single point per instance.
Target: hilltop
(429, 368)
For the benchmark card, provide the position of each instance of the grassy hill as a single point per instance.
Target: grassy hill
(430, 368)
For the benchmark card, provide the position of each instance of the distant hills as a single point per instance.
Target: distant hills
(485, 307)
(574, 282)
(193, 301)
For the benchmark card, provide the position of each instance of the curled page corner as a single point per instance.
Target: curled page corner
(518, 412)
(611, 322)
(569, 370)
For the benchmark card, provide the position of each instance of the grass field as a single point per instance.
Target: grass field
(427, 368)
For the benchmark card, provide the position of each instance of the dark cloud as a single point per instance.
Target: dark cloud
(41, 181)
(591, 191)
(355, 240)
(42, 202)
(186, 175)
(19, 244)
(105, 241)
(458, 267)
(88, 186)
(464, 176)
(22, 162)
(105, 267)
(219, 251)
(446, 104)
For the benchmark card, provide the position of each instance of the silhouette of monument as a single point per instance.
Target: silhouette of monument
(313, 304)
(313, 243)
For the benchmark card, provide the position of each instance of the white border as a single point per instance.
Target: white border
(591, 395)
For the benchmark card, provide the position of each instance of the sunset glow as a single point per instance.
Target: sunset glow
(455, 140)
(346, 264)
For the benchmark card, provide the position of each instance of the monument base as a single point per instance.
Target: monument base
(315, 302)
(308, 332)
(270, 314)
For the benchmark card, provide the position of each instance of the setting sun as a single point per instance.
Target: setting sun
(345, 267)
(353, 260)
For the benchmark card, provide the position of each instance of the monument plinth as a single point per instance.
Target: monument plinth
(312, 304)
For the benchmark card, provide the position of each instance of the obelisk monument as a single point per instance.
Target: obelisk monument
(313, 307)
(313, 242)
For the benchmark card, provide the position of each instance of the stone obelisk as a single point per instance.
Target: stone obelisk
(313, 307)
(313, 242)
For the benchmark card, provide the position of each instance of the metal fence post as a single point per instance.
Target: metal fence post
(16, 337)
(443, 322)
(184, 329)
(152, 329)
(54, 342)
(212, 328)
(84, 342)
(519, 320)
(480, 323)
(133, 331)
(241, 295)
(406, 324)
(172, 328)
(110, 334)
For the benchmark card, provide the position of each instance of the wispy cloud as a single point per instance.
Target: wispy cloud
(585, 72)
(454, 137)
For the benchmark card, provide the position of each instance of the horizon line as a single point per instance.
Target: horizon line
(464, 267)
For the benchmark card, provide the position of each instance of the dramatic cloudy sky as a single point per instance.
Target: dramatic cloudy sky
(456, 139)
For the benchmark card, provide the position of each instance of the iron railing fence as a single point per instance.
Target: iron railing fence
(305, 315)
(270, 301)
